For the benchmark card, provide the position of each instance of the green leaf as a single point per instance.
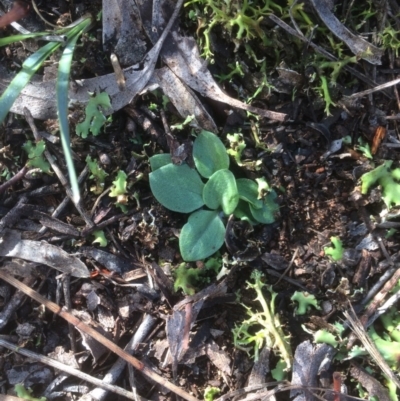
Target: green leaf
(209, 154)
(210, 393)
(62, 86)
(35, 155)
(243, 212)
(305, 300)
(99, 237)
(221, 190)
(119, 185)
(280, 371)
(29, 67)
(95, 118)
(178, 188)
(336, 252)
(201, 236)
(248, 191)
(17, 38)
(186, 278)
(98, 174)
(267, 214)
(26, 394)
(388, 179)
(160, 160)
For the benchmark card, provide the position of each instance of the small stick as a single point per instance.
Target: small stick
(66, 281)
(337, 384)
(56, 169)
(376, 89)
(65, 201)
(19, 176)
(119, 74)
(67, 369)
(358, 329)
(136, 363)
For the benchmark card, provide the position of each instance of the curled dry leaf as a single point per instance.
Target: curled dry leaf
(359, 46)
(11, 245)
(309, 361)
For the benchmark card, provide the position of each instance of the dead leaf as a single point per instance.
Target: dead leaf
(219, 357)
(372, 385)
(181, 54)
(11, 245)
(122, 31)
(359, 46)
(183, 98)
(309, 361)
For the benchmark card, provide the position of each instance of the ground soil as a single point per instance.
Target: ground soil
(319, 197)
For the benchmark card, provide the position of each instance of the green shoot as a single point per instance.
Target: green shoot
(336, 252)
(95, 118)
(35, 155)
(270, 333)
(305, 301)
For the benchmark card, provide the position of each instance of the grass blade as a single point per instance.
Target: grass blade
(62, 85)
(29, 67)
(17, 38)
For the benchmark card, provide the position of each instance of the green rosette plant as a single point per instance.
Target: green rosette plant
(210, 193)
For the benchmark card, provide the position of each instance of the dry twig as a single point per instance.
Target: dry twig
(97, 336)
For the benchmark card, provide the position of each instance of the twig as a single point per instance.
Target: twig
(66, 281)
(289, 267)
(113, 374)
(322, 51)
(14, 303)
(358, 329)
(19, 176)
(97, 336)
(376, 89)
(337, 384)
(13, 215)
(65, 201)
(56, 169)
(66, 368)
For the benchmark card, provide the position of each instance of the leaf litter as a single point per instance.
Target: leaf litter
(189, 326)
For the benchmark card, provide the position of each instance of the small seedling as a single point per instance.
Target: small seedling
(305, 301)
(336, 252)
(188, 279)
(98, 174)
(387, 179)
(99, 238)
(25, 394)
(325, 337)
(95, 118)
(181, 189)
(119, 190)
(35, 155)
(210, 393)
(362, 146)
(271, 333)
(29, 68)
